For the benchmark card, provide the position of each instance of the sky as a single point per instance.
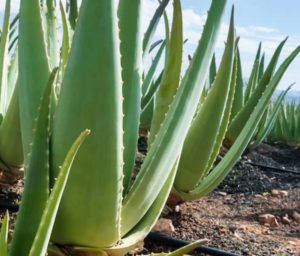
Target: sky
(266, 21)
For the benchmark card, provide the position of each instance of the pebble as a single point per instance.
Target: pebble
(164, 226)
(286, 220)
(268, 220)
(283, 192)
(232, 228)
(177, 208)
(276, 192)
(296, 216)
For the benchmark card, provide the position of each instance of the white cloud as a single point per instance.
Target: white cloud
(262, 29)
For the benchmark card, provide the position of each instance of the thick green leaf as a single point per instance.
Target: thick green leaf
(212, 71)
(253, 75)
(151, 72)
(36, 189)
(152, 91)
(13, 75)
(65, 40)
(4, 61)
(51, 32)
(225, 121)
(3, 235)
(41, 240)
(152, 26)
(73, 13)
(171, 75)
(204, 131)
(146, 115)
(142, 229)
(34, 69)
(131, 51)
(131, 240)
(238, 101)
(261, 68)
(11, 148)
(91, 96)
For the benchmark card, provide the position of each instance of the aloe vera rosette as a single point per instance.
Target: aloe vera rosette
(93, 85)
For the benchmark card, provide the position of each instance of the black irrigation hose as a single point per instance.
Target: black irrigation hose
(273, 168)
(9, 206)
(177, 243)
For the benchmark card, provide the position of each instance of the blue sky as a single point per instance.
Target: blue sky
(269, 21)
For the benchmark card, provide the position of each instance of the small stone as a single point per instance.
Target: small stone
(164, 226)
(283, 193)
(275, 192)
(177, 208)
(232, 228)
(296, 216)
(245, 251)
(268, 220)
(222, 193)
(286, 220)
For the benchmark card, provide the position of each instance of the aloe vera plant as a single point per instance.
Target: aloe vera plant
(101, 90)
(11, 153)
(245, 103)
(214, 176)
(286, 128)
(207, 131)
(268, 120)
(196, 175)
(39, 207)
(148, 197)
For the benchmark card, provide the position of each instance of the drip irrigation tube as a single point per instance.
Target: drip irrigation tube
(9, 206)
(177, 243)
(273, 168)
